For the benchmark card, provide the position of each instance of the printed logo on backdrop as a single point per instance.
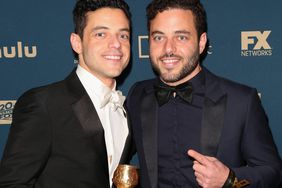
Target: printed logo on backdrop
(6, 110)
(209, 50)
(17, 51)
(255, 43)
(143, 47)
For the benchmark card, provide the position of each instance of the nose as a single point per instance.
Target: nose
(114, 42)
(170, 47)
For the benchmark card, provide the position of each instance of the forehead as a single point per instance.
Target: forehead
(173, 19)
(108, 17)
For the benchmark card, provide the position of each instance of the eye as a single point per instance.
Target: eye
(182, 37)
(124, 36)
(100, 35)
(158, 38)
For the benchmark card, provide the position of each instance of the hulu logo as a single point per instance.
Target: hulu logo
(18, 51)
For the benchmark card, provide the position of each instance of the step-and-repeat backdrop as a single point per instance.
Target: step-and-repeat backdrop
(245, 45)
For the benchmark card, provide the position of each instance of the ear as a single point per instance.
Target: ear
(203, 42)
(75, 41)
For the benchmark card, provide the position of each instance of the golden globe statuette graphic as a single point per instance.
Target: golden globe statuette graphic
(125, 176)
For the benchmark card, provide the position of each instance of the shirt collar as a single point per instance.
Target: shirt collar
(93, 86)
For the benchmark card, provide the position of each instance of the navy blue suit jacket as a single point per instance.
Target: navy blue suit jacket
(234, 129)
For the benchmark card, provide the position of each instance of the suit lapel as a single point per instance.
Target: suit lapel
(213, 115)
(88, 118)
(149, 128)
(212, 123)
(83, 107)
(87, 115)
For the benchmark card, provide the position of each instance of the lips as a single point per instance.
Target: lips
(170, 60)
(169, 63)
(113, 57)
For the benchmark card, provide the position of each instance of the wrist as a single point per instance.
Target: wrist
(231, 180)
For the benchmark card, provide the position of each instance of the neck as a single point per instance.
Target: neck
(108, 81)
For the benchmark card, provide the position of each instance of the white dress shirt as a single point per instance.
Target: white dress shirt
(112, 117)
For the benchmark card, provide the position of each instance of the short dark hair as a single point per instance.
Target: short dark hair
(200, 17)
(82, 7)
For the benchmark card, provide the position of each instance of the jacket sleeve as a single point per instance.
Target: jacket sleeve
(258, 149)
(28, 145)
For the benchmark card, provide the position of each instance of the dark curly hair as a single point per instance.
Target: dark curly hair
(83, 6)
(200, 18)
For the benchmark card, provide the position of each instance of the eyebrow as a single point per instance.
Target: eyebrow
(99, 28)
(156, 32)
(183, 32)
(125, 29)
(107, 28)
(176, 32)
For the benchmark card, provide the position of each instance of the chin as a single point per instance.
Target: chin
(115, 74)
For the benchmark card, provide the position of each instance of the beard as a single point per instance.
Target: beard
(190, 64)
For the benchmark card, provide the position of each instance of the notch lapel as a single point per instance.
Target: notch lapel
(88, 118)
(213, 115)
(212, 123)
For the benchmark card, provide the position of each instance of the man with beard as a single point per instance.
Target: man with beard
(191, 127)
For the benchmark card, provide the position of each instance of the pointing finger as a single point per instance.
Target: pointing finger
(202, 159)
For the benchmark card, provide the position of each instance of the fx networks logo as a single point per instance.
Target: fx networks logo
(18, 51)
(254, 43)
(6, 110)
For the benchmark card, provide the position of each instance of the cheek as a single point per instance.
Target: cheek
(126, 48)
(89, 50)
(155, 51)
(97, 45)
(186, 50)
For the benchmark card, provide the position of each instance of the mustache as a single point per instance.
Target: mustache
(166, 55)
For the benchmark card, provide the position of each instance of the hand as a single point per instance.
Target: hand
(209, 171)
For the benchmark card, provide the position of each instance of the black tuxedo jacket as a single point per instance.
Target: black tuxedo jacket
(234, 129)
(56, 140)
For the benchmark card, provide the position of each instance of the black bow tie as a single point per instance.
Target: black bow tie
(164, 92)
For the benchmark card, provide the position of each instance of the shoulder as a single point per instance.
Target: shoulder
(42, 95)
(228, 86)
(43, 91)
(142, 86)
(138, 91)
(239, 90)
(56, 90)
(145, 83)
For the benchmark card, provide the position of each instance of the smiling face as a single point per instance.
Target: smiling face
(175, 46)
(104, 50)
